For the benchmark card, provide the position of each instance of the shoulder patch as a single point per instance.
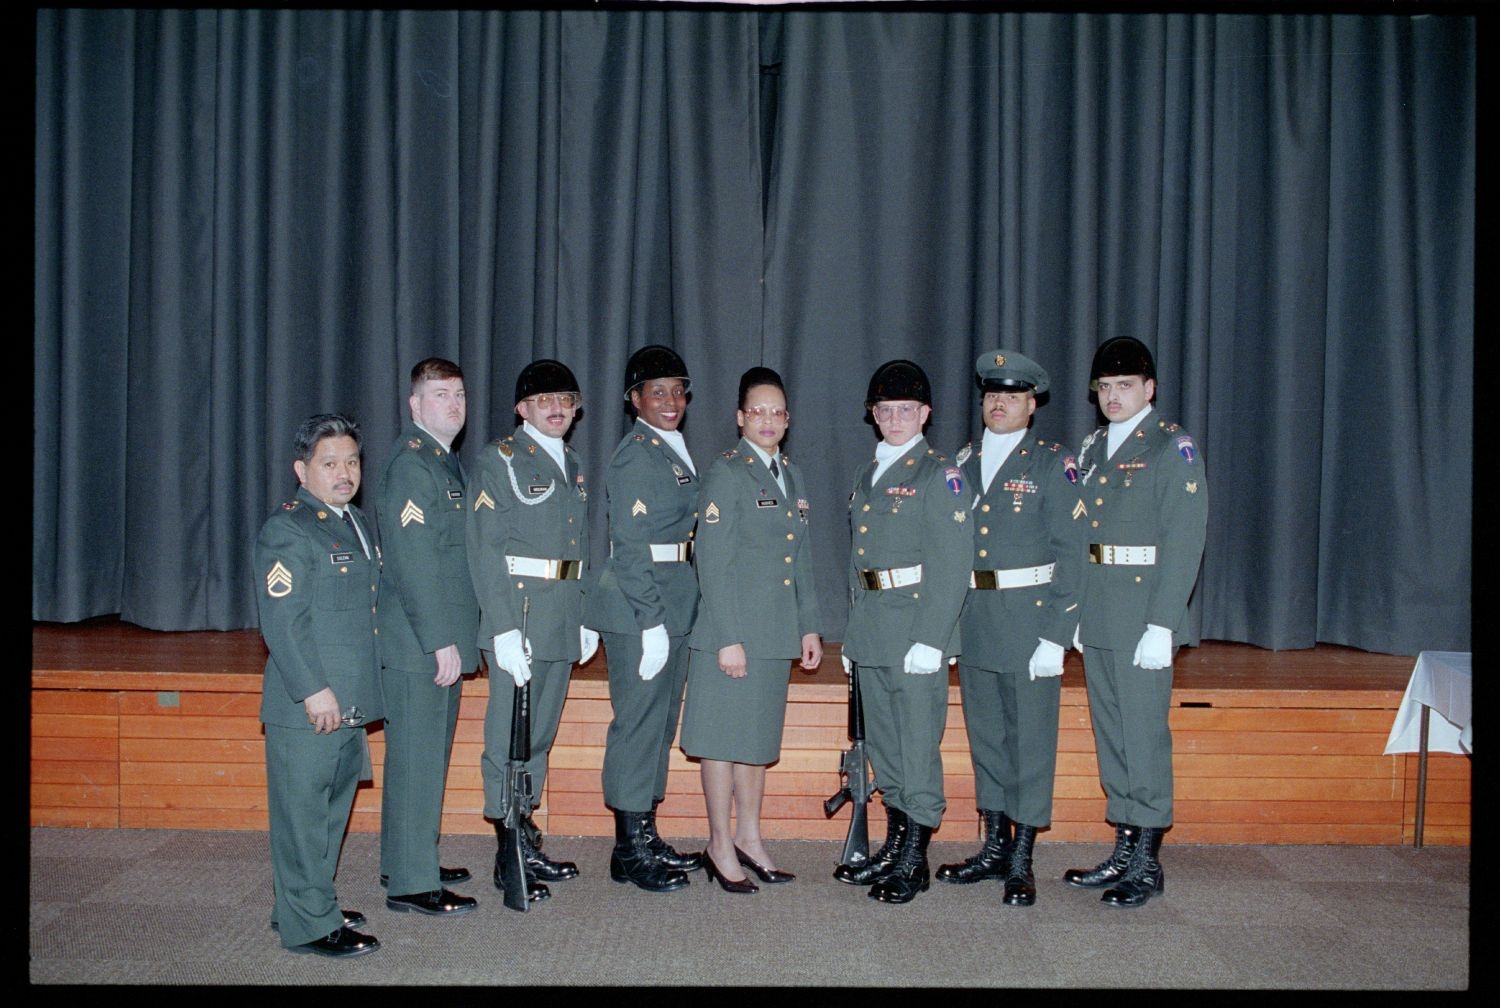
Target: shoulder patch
(1185, 448)
(1070, 468)
(955, 481)
(278, 581)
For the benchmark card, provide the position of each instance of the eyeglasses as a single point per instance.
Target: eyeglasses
(904, 410)
(763, 412)
(567, 400)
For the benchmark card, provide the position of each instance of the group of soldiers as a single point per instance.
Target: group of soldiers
(1001, 559)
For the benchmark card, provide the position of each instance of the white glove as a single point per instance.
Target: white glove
(1155, 649)
(1046, 660)
(923, 659)
(588, 643)
(1076, 645)
(654, 648)
(510, 655)
(848, 665)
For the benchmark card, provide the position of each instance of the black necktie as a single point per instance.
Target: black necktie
(354, 531)
(774, 470)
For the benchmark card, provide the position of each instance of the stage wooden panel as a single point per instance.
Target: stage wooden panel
(135, 728)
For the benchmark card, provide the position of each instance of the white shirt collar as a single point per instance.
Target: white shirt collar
(675, 439)
(551, 445)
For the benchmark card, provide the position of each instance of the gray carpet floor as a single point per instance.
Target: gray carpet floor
(192, 907)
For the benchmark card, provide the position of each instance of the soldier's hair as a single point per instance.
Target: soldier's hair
(756, 377)
(434, 369)
(324, 425)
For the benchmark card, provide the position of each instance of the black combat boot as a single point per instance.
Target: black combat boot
(1111, 868)
(1020, 883)
(991, 860)
(540, 865)
(664, 853)
(632, 860)
(884, 859)
(1144, 878)
(535, 891)
(909, 875)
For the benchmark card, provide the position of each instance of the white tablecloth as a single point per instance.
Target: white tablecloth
(1444, 681)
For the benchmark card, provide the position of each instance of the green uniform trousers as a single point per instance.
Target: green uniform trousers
(310, 784)
(904, 720)
(639, 742)
(549, 688)
(1012, 723)
(1128, 706)
(420, 719)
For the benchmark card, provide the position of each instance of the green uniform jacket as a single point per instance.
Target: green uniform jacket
(917, 513)
(1027, 518)
(754, 559)
(429, 601)
(316, 594)
(525, 507)
(653, 498)
(1153, 492)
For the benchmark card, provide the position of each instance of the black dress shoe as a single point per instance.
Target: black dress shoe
(438, 903)
(446, 876)
(742, 886)
(352, 919)
(768, 875)
(341, 944)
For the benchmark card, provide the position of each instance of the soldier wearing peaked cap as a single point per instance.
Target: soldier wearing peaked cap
(643, 606)
(428, 629)
(528, 543)
(1018, 619)
(908, 574)
(1145, 494)
(319, 580)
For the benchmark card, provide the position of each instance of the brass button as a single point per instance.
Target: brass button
(984, 553)
(916, 595)
(377, 631)
(788, 514)
(863, 529)
(984, 530)
(1039, 603)
(984, 507)
(865, 508)
(1103, 480)
(861, 551)
(1096, 523)
(790, 535)
(520, 584)
(572, 542)
(1098, 501)
(788, 559)
(786, 581)
(1137, 579)
(343, 570)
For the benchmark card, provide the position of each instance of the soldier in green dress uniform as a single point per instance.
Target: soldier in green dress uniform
(428, 627)
(1018, 621)
(1145, 495)
(908, 575)
(643, 605)
(528, 549)
(757, 614)
(318, 571)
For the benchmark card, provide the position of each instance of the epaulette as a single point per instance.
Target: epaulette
(290, 505)
(503, 445)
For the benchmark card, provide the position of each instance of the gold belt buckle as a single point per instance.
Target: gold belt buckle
(984, 579)
(567, 570)
(1096, 553)
(870, 579)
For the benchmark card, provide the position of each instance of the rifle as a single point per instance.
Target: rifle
(516, 793)
(858, 787)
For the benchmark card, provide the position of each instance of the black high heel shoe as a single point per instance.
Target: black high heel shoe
(768, 875)
(742, 886)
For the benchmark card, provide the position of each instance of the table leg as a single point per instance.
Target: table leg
(1422, 777)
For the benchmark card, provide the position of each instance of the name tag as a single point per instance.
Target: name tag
(766, 502)
(683, 478)
(340, 558)
(455, 495)
(537, 488)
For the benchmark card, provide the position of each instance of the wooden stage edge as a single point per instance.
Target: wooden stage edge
(134, 728)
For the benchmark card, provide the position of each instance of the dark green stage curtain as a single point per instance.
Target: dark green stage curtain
(244, 217)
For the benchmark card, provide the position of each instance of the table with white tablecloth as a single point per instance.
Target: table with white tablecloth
(1441, 682)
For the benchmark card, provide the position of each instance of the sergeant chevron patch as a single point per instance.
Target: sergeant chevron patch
(1079, 511)
(638, 508)
(484, 500)
(412, 513)
(711, 513)
(278, 581)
